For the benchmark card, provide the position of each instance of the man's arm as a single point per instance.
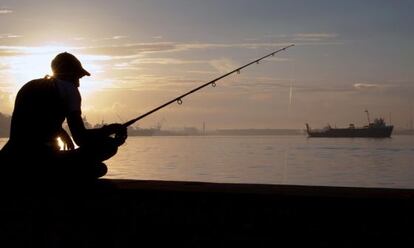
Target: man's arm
(72, 99)
(79, 133)
(67, 141)
(82, 136)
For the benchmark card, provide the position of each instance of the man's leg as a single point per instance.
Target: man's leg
(87, 161)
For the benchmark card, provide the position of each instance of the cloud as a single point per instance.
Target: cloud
(137, 64)
(353, 88)
(5, 101)
(108, 110)
(223, 65)
(265, 97)
(137, 50)
(27, 50)
(167, 61)
(118, 106)
(366, 86)
(276, 36)
(116, 37)
(11, 52)
(253, 45)
(130, 50)
(10, 36)
(314, 36)
(201, 72)
(78, 38)
(133, 49)
(277, 59)
(323, 89)
(400, 89)
(154, 82)
(3, 65)
(5, 11)
(250, 84)
(317, 35)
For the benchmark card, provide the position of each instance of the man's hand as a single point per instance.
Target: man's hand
(121, 136)
(113, 129)
(83, 136)
(119, 130)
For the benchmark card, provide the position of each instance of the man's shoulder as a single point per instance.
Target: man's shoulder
(39, 82)
(36, 90)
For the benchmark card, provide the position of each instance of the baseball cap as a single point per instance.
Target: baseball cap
(66, 64)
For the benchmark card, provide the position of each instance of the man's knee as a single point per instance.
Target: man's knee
(108, 150)
(99, 152)
(100, 170)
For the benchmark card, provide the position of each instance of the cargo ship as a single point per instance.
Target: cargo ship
(376, 129)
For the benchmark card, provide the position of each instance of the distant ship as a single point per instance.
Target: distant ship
(376, 129)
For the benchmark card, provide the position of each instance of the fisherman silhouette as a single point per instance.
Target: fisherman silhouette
(40, 109)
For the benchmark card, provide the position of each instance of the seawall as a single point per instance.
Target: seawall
(133, 213)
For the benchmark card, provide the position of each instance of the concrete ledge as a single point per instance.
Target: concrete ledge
(262, 189)
(132, 213)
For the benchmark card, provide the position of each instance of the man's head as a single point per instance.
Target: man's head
(65, 65)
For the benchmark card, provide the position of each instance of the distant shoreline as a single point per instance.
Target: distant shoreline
(243, 132)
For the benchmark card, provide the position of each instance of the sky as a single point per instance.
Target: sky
(349, 56)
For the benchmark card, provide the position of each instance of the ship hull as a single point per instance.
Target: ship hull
(383, 132)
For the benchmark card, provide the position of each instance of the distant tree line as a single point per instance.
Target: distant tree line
(4, 125)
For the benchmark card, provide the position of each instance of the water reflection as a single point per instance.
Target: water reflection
(268, 159)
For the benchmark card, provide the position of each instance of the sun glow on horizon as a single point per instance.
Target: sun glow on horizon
(34, 62)
(26, 63)
(31, 63)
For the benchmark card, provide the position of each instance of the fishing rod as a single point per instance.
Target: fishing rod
(212, 82)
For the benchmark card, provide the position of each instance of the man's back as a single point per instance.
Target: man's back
(38, 114)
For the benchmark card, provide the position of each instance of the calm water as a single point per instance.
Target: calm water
(268, 159)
